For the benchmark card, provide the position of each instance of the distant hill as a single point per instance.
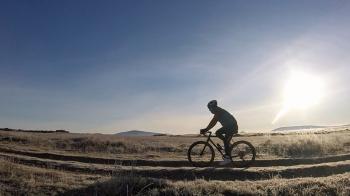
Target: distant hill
(34, 131)
(295, 128)
(138, 133)
(310, 127)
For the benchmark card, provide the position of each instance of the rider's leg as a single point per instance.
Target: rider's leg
(228, 136)
(225, 135)
(230, 132)
(220, 133)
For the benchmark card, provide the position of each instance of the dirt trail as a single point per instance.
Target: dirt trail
(189, 173)
(173, 163)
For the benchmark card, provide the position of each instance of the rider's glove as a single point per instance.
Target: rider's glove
(203, 131)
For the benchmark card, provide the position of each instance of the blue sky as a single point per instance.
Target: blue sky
(104, 66)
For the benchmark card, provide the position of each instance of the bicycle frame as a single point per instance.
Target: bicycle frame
(211, 141)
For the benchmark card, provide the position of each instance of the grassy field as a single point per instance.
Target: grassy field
(24, 172)
(18, 180)
(175, 147)
(126, 185)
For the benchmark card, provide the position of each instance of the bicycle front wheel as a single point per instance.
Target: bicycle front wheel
(201, 154)
(242, 154)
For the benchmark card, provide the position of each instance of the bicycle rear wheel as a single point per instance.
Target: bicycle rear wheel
(242, 154)
(201, 154)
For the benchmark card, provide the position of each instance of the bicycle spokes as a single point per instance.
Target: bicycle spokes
(242, 153)
(201, 154)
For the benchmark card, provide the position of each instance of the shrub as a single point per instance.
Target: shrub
(302, 146)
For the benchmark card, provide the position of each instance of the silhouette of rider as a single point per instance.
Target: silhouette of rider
(228, 129)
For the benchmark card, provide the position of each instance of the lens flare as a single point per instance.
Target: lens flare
(301, 91)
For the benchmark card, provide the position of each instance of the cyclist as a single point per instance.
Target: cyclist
(228, 129)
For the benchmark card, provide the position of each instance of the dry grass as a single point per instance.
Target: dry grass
(133, 185)
(305, 145)
(24, 180)
(170, 147)
(93, 143)
(16, 179)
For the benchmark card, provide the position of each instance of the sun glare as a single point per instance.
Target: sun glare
(301, 91)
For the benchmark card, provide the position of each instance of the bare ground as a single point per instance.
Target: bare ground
(189, 173)
(173, 163)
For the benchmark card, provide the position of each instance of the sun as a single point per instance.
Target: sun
(302, 91)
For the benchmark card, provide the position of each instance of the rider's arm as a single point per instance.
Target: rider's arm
(212, 122)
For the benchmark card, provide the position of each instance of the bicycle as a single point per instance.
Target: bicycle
(201, 153)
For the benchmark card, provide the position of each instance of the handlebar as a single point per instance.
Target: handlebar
(208, 133)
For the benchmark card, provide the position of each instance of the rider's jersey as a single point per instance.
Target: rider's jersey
(225, 118)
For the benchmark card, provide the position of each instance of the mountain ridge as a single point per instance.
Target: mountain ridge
(138, 133)
(305, 127)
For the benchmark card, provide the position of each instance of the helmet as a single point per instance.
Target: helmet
(212, 103)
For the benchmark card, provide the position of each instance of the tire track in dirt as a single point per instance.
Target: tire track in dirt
(189, 173)
(174, 163)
